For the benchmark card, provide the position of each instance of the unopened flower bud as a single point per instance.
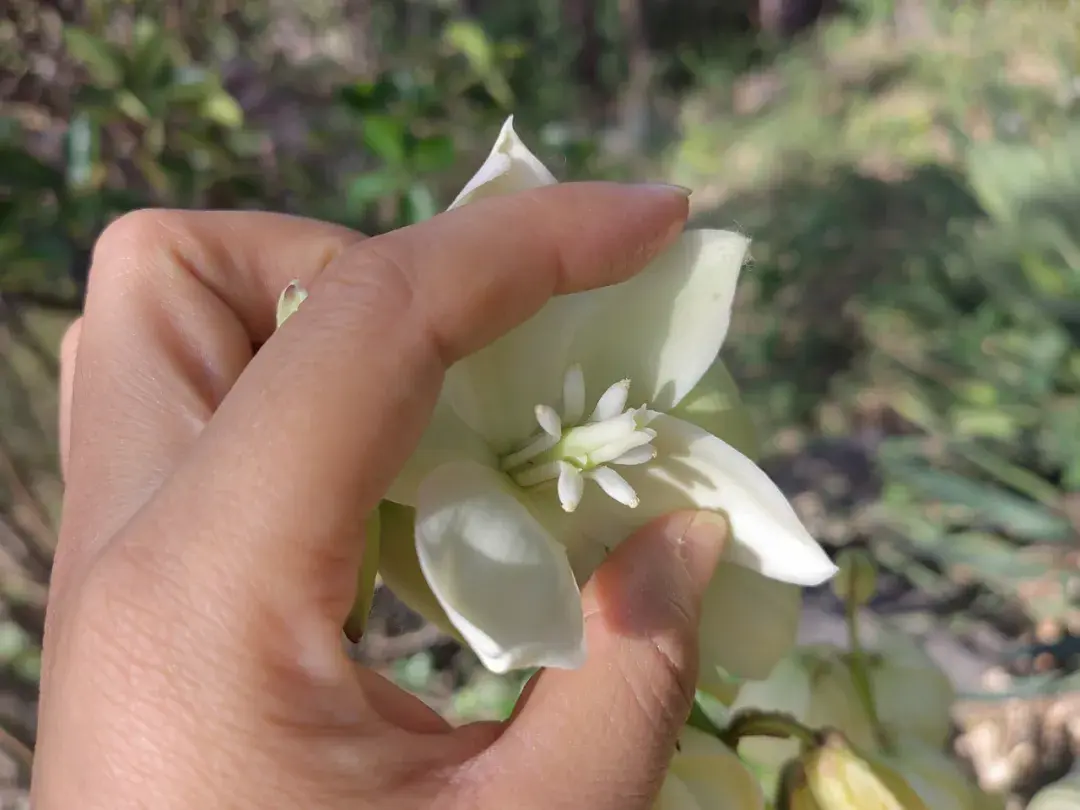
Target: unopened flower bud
(838, 778)
(290, 300)
(856, 582)
(1061, 795)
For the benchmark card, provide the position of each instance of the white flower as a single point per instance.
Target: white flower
(553, 444)
(707, 775)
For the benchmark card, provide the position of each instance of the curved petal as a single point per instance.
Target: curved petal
(768, 536)
(694, 469)
(503, 581)
(714, 405)
(748, 623)
(663, 328)
(446, 439)
(509, 167)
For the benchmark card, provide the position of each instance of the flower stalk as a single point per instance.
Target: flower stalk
(855, 584)
(778, 725)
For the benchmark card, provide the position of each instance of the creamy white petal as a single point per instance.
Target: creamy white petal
(768, 536)
(446, 439)
(495, 391)
(694, 469)
(748, 623)
(509, 167)
(504, 582)
(663, 328)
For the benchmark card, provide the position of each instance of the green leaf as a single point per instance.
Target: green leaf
(469, 39)
(367, 97)
(370, 188)
(83, 152)
(385, 136)
(131, 106)
(148, 68)
(100, 58)
(433, 154)
(988, 504)
(222, 109)
(22, 171)
(420, 204)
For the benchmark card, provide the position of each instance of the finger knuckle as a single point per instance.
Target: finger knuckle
(379, 282)
(130, 244)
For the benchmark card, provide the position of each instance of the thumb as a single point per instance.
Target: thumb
(602, 736)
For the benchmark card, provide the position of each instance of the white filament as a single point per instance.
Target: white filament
(573, 395)
(567, 449)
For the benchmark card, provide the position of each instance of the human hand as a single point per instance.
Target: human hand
(216, 490)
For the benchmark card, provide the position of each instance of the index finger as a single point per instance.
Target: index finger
(309, 438)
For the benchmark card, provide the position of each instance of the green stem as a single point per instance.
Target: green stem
(756, 723)
(860, 672)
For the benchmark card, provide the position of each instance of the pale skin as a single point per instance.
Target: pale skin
(215, 495)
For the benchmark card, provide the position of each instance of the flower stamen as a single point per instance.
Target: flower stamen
(549, 421)
(571, 486)
(612, 402)
(568, 450)
(538, 446)
(531, 476)
(614, 485)
(573, 395)
(638, 455)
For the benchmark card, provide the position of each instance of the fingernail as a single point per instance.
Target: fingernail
(670, 188)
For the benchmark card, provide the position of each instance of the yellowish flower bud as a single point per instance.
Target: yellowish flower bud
(1061, 795)
(814, 684)
(289, 301)
(838, 778)
(856, 581)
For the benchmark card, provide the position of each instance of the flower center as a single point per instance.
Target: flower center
(570, 448)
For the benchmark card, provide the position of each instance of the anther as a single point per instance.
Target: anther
(571, 486)
(548, 420)
(612, 402)
(614, 485)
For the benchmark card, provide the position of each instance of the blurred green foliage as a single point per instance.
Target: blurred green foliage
(909, 172)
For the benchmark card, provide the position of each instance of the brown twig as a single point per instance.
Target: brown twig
(17, 748)
(36, 515)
